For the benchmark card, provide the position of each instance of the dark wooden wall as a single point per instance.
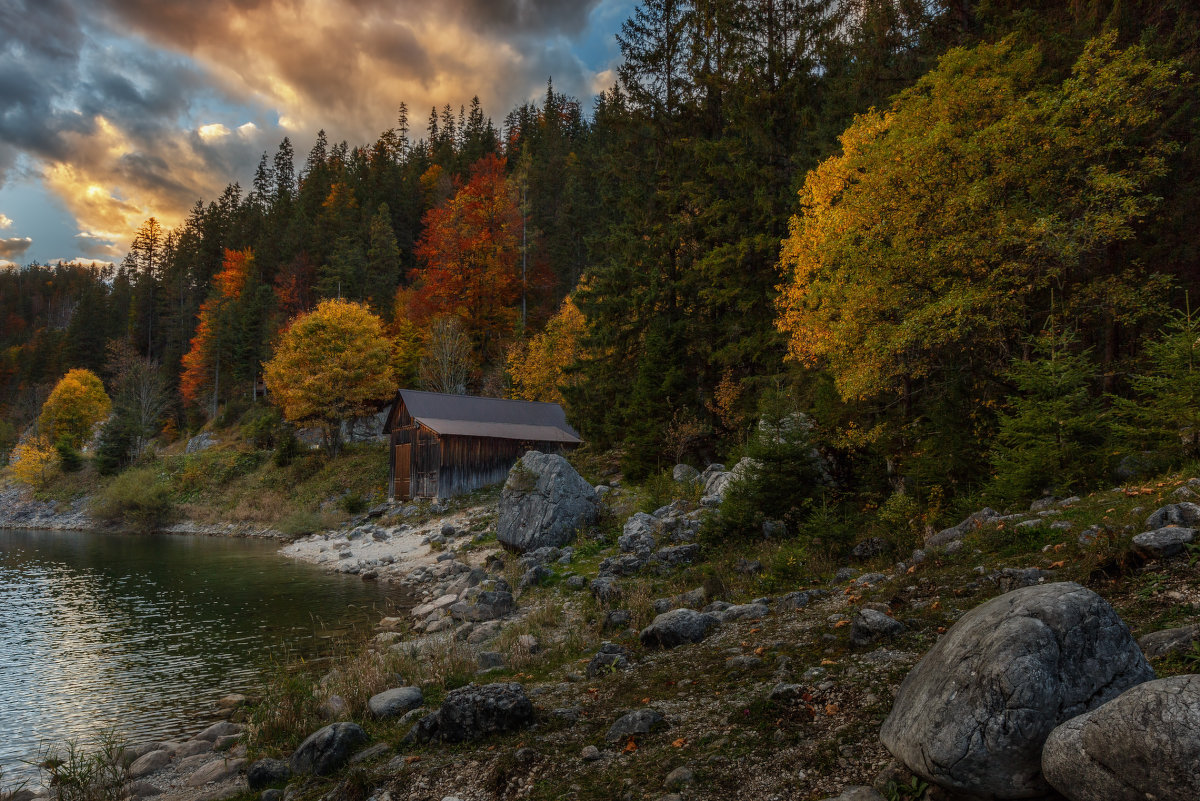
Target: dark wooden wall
(445, 466)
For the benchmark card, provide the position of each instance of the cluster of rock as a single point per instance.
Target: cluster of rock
(1044, 688)
(213, 759)
(19, 509)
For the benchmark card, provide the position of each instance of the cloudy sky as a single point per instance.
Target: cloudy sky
(115, 110)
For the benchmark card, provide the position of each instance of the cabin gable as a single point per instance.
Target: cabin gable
(444, 445)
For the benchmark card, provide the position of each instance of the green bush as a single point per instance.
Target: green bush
(301, 523)
(353, 503)
(137, 499)
(69, 457)
(287, 448)
(784, 480)
(261, 427)
(117, 439)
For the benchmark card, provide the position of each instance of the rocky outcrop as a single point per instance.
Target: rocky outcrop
(471, 712)
(973, 715)
(327, 749)
(544, 503)
(956, 533)
(1144, 744)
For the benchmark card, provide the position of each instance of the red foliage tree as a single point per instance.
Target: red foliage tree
(202, 363)
(471, 256)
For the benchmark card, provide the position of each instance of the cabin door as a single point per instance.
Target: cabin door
(403, 486)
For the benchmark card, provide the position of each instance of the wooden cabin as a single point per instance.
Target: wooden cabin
(443, 445)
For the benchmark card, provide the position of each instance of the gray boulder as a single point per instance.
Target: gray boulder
(685, 473)
(1164, 542)
(718, 483)
(395, 702)
(673, 556)
(955, 533)
(638, 723)
(870, 626)
(328, 749)
(472, 712)
(1144, 744)
(221, 729)
(487, 605)
(637, 536)
(149, 763)
(544, 502)
(972, 716)
(1169, 642)
(219, 770)
(265, 772)
(609, 659)
(678, 627)
(1175, 514)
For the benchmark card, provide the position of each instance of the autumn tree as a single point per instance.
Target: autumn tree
(538, 366)
(330, 365)
(76, 404)
(936, 240)
(470, 252)
(33, 462)
(230, 333)
(140, 397)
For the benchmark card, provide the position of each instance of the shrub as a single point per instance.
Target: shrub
(352, 503)
(69, 457)
(137, 498)
(76, 775)
(785, 478)
(301, 523)
(261, 426)
(287, 448)
(34, 462)
(117, 441)
(77, 402)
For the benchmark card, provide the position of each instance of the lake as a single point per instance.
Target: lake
(145, 633)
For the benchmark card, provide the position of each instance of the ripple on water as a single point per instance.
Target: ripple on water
(143, 634)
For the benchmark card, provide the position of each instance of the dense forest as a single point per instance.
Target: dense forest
(957, 235)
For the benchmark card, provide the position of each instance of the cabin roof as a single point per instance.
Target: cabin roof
(499, 418)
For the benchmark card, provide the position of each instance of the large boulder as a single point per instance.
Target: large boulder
(638, 534)
(972, 716)
(718, 483)
(544, 502)
(678, 627)
(327, 749)
(471, 712)
(1144, 744)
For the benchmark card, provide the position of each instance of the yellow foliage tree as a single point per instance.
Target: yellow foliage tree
(332, 364)
(74, 407)
(538, 366)
(33, 462)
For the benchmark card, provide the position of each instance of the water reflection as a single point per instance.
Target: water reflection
(145, 633)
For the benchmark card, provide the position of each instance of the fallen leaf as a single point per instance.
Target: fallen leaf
(941, 630)
(828, 662)
(841, 623)
(831, 709)
(408, 760)
(760, 650)
(645, 700)
(755, 631)
(911, 570)
(680, 743)
(630, 746)
(1057, 565)
(936, 605)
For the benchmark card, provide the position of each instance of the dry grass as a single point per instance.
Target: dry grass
(436, 661)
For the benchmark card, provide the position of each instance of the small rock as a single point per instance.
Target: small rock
(395, 702)
(222, 729)
(149, 763)
(475, 711)
(371, 752)
(590, 753)
(1169, 642)
(231, 701)
(1164, 542)
(327, 749)
(1175, 514)
(216, 771)
(870, 626)
(870, 548)
(748, 566)
(638, 723)
(609, 659)
(271, 795)
(334, 708)
(266, 772)
(679, 778)
(193, 747)
(858, 793)
(677, 627)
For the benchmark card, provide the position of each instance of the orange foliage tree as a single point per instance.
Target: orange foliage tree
(470, 251)
(215, 329)
(538, 366)
(332, 364)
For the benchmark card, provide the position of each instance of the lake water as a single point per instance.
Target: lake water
(145, 633)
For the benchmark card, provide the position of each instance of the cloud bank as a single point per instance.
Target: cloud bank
(128, 108)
